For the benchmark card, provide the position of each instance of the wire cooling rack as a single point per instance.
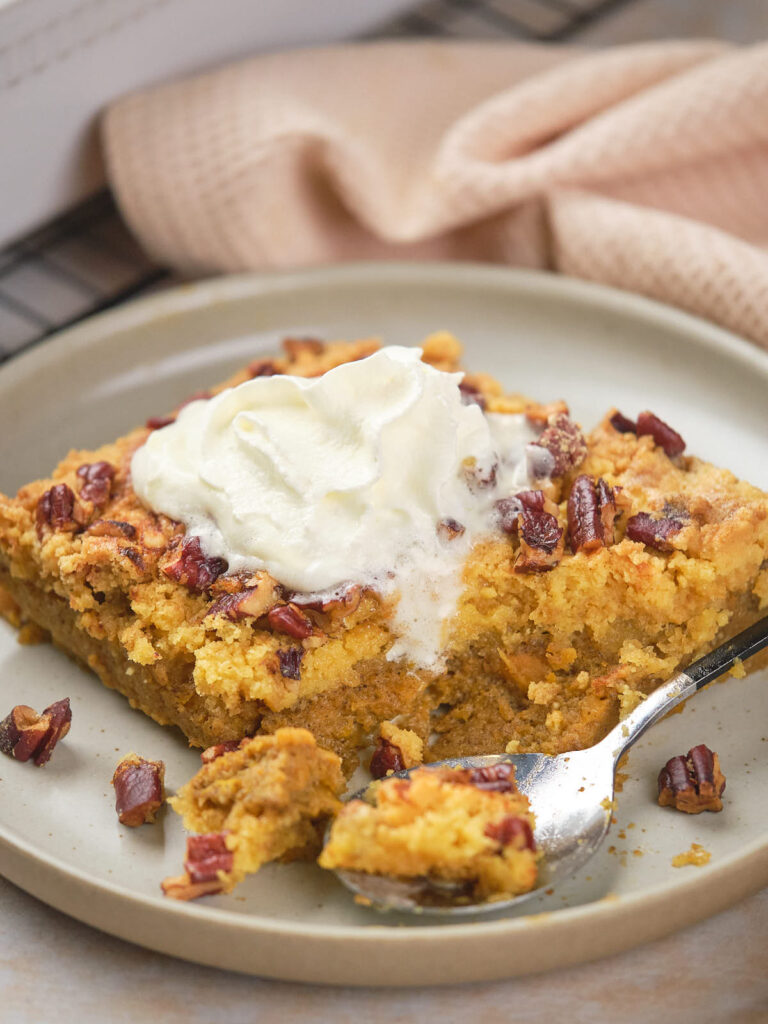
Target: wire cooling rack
(86, 261)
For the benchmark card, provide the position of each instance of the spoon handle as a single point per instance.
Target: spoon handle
(684, 685)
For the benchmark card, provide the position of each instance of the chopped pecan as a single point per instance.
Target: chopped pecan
(288, 618)
(508, 512)
(133, 555)
(181, 888)
(541, 541)
(497, 777)
(565, 443)
(262, 368)
(25, 735)
(139, 790)
(663, 435)
(97, 479)
(591, 512)
(22, 732)
(342, 602)
(158, 422)
(541, 537)
(480, 477)
(535, 501)
(296, 347)
(509, 829)
(387, 757)
(622, 424)
(56, 509)
(693, 783)
(290, 662)
(449, 529)
(235, 606)
(250, 602)
(207, 855)
(192, 568)
(656, 533)
(218, 749)
(112, 528)
(471, 395)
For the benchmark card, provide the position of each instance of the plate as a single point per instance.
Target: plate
(544, 335)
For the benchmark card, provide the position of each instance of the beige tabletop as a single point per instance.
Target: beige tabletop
(53, 969)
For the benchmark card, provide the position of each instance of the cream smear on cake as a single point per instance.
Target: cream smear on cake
(343, 478)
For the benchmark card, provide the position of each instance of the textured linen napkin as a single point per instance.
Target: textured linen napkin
(644, 167)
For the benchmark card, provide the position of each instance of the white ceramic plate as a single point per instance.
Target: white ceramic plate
(546, 336)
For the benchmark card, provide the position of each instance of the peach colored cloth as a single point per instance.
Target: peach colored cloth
(644, 167)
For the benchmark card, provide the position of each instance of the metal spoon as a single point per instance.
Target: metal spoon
(571, 795)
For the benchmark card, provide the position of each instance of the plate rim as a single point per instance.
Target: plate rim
(184, 299)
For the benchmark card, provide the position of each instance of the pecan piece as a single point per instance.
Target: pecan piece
(250, 602)
(139, 790)
(181, 888)
(97, 479)
(499, 778)
(158, 422)
(341, 602)
(471, 395)
(541, 540)
(591, 512)
(296, 347)
(192, 568)
(56, 509)
(663, 435)
(693, 783)
(565, 443)
(622, 424)
(480, 477)
(134, 555)
(288, 618)
(655, 533)
(290, 662)
(262, 368)
(387, 757)
(25, 735)
(509, 829)
(22, 732)
(207, 855)
(508, 512)
(112, 528)
(219, 749)
(449, 529)
(541, 537)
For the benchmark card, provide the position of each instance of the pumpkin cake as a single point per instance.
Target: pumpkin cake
(598, 565)
(268, 799)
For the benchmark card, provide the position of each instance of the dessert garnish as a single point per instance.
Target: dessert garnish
(693, 783)
(25, 735)
(139, 790)
(649, 424)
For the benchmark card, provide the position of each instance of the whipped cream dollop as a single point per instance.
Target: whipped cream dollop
(342, 478)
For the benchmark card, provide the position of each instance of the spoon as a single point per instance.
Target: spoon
(571, 795)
